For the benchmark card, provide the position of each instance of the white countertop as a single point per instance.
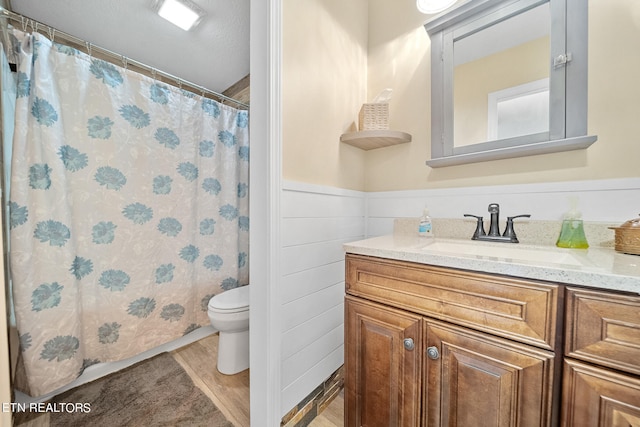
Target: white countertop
(602, 268)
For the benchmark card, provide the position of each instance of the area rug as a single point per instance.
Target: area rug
(154, 392)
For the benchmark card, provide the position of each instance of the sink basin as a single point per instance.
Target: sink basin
(505, 251)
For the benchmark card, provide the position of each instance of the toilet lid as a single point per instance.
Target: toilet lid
(233, 299)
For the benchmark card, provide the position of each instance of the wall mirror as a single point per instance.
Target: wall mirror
(508, 79)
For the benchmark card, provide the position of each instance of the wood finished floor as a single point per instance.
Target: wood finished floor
(333, 415)
(230, 393)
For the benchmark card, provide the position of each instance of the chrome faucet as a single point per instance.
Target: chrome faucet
(509, 235)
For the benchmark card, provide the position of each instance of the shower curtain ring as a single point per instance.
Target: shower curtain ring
(125, 63)
(52, 33)
(25, 24)
(88, 46)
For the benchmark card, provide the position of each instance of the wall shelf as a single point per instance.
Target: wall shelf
(372, 139)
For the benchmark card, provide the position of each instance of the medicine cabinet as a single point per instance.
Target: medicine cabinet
(508, 79)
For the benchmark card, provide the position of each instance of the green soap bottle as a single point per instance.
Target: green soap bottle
(572, 231)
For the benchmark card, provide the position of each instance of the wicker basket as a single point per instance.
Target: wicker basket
(374, 116)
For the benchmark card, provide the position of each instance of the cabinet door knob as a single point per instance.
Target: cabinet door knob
(408, 344)
(433, 353)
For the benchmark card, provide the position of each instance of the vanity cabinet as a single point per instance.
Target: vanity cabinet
(436, 346)
(477, 379)
(601, 386)
(382, 369)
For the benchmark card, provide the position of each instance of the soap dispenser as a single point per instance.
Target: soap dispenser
(572, 231)
(425, 228)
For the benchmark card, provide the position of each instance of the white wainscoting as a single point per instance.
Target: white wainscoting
(315, 222)
(610, 201)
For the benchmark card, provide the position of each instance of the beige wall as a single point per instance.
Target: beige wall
(614, 64)
(324, 74)
(399, 59)
(324, 59)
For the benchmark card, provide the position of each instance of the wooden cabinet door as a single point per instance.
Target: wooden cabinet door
(596, 397)
(382, 373)
(479, 380)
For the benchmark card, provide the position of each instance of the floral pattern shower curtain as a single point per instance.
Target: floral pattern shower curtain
(128, 210)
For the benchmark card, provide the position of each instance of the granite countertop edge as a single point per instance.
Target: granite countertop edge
(604, 268)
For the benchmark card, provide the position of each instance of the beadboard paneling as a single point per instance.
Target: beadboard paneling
(316, 374)
(296, 365)
(303, 309)
(320, 203)
(300, 231)
(312, 255)
(298, 285)
(296, 339)
(315, 223)
(607, 201)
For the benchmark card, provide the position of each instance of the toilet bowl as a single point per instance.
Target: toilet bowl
(229, 314)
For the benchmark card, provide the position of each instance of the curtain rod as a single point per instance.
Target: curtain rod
(107, 55)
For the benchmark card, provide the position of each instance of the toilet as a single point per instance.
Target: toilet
(229, 314)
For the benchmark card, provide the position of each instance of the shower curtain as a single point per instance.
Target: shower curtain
(128, 210)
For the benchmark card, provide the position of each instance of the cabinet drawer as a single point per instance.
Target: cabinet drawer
(604, 328)
(520, 309)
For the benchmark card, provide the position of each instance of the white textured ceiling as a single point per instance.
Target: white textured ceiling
(214, 55)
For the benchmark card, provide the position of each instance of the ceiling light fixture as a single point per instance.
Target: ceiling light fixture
(183, 13)
(430, 7)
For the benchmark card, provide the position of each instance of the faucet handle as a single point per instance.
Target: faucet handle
(509, 231)
(479, 227)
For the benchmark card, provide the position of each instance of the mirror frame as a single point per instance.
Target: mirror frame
(568, 81)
